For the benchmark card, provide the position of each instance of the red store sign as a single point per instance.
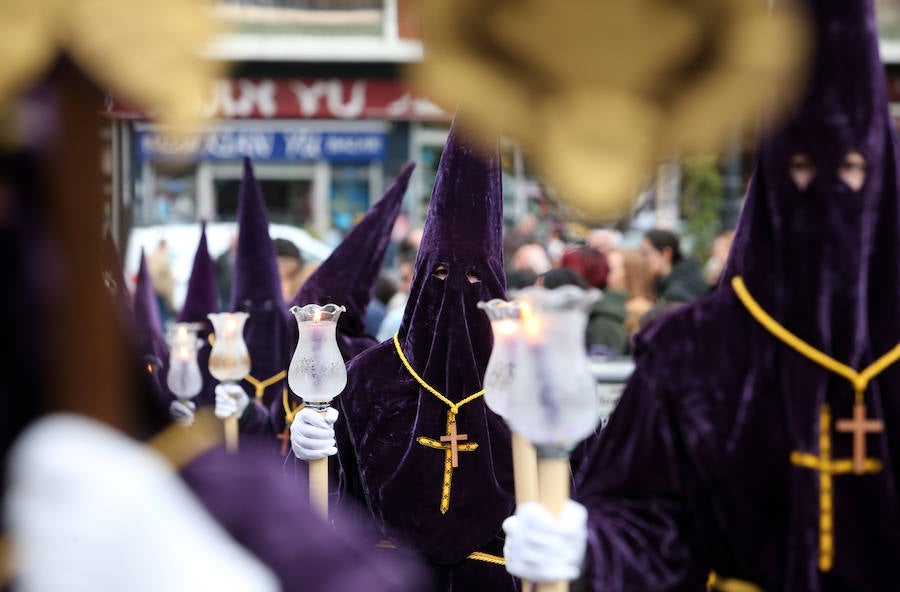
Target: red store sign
(314, 98)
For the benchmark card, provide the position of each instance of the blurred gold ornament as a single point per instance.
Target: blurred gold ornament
(147, 53)
(601, 91)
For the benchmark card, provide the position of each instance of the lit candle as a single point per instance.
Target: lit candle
(317, 374)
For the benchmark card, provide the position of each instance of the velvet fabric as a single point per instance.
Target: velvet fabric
(256, 289)
(148, 342)
(693, 471)
(258, 507)
(200, 300)
(448, 342)
(148, 327)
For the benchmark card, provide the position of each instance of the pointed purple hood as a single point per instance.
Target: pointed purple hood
(148, 327)
(200, 300)
(443, 333)
(823, 259)
(256, 289)
(347, 277)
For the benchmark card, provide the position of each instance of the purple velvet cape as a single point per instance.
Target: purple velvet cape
(199, 301)
(347, 277)
(448, 341)
(693, 472)
(256, 289)
(258, 506)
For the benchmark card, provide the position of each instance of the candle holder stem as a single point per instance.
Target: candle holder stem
(553, 490)
(318, 474)
(231, 433)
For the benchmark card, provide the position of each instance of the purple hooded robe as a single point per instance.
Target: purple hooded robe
(346, 278)
(396, 481)
(694, 471)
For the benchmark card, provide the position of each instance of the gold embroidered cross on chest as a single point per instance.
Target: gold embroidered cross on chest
(859, 426)
(453, 442)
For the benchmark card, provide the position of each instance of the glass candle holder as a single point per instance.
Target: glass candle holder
(555, 406)
(229, 360)
(500, 373)
(183, 377)
(317, 372)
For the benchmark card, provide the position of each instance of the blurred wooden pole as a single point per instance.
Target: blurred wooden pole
(88, 374)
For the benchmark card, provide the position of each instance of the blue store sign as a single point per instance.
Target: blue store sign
(263, 145)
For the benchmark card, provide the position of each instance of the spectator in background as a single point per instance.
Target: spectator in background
(385, 288)
(224, 272)
(717, 257)
(290, 267)
(556, 244)
(397, 304)
(676, 278)
(518, 279)
(159, 266)
(630, 277)
(587, 262)
(605, 334)
(531, 258)
(521, 234)
(604, 239)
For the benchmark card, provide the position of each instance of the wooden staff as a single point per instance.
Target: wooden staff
(318, 486)
(88, 380)
(525, 473)
(553, 485)
(231, 433)
(318, 481)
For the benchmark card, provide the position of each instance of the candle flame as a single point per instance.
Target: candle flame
(182, 332)
(149, 368)
(318, 316)
(506, 327)
(183, 353)
(530, 321)
(230, 326)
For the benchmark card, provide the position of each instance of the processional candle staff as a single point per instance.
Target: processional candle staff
(317, 375)
(506, 325)
(229, 361)
(184, 379)
(555, 404)
(498, 385)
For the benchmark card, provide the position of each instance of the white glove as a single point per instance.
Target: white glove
(106, 513)
(312, 434)
(182, 412)
(230, 400)
(542, 548)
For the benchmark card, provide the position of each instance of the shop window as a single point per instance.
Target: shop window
(349, 196)
(287, 201)
(173, 197)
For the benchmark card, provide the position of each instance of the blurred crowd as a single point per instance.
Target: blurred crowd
(639, 283)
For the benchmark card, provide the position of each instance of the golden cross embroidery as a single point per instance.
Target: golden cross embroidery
(453, 438)
(859, 426)
(827, 467)
(450, 444)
